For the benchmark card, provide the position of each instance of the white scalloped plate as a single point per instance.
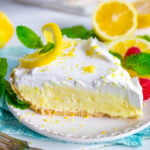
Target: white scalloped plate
(82, 130)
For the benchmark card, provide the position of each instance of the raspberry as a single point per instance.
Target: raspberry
(132, 50)
(145, 83)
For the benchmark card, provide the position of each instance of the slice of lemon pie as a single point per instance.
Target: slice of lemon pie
(85, 79)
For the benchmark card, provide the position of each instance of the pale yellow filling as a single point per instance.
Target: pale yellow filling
(65, 98)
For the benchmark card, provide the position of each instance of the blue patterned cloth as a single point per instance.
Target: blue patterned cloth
(10, 125)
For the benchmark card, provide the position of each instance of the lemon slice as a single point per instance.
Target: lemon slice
(122, 45)
(6, 29)
(52, 33)
(114, 19)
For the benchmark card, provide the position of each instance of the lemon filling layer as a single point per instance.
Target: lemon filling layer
(94, 83)
(65, 98)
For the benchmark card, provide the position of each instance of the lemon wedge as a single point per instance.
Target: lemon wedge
(114, 19)
(52, 33)
(6, 29)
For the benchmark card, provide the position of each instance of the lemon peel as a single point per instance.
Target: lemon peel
(52, 33)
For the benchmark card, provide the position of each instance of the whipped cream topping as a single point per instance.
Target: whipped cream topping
(103, 73)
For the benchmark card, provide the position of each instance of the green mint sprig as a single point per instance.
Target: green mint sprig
(116, 55)
(31, 40)
(145, 37)
(3, 71)
(78, 32)
(140, 63)
(47, 48)
(12, 98)
(6, 90)
(3, 67)
(2, 86)
(28, 37)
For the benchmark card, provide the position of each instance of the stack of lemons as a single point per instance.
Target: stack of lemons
(115, 21)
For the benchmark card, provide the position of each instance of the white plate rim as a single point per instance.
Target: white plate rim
(84, 139)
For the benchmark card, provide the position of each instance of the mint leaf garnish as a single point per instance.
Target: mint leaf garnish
(3, 67)
(3, 71)
(47, 48)
(28, 37)
(140, 63)
(2, 87)
(17, 103)
(12, 98)
(145, 37)
(78, 32)
(116, 55)
(6, 90)
(92, 33)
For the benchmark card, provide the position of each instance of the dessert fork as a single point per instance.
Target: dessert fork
(10, 143)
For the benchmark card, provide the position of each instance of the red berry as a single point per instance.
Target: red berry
(132, 51)
(145, 83)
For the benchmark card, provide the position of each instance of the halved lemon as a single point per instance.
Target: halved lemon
(6, 29)
(122, 45)
(114, 19)
(52, 33)
(143, 20)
